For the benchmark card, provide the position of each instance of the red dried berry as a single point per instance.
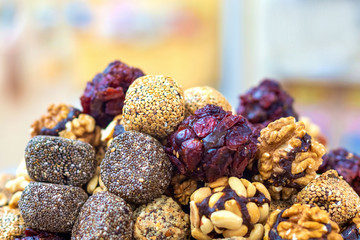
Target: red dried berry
(212, 143)
(31, 234)
(347, 164)
(266, 103)
(104, 96)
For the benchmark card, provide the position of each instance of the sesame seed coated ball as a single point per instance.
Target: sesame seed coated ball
(60, 160)
(51, 207)
(154, 104)
(104, 216)
(199, 97)
(136, 167)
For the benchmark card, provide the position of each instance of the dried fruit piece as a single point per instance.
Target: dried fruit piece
(346, 163)
(104, 96)
(288, 157)
(212, 143)
(353, 230)
(229, 207)
(301, 222)
(331, 193)
(266, 103)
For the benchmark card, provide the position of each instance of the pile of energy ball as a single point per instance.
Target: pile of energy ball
(145, 159)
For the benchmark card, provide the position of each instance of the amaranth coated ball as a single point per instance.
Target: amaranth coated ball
(154, 104)
(199, 97)
(51, 207)
(136, 167)
(104, 216)
(60, 160)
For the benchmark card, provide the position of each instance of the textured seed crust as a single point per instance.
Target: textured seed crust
(60, 160)
(104, 216)
(136, 167)
(51, 207)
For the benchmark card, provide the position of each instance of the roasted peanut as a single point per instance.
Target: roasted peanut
(238, 232)
(261, 188)
(206, 225)
(232, 206)
(197, 234)
(194, 215)
(237, 186)
(257, 233)
(14, 201)
(253, 212)
(223, 181)
(226, 219)
(214, 198)
(264, 212)
(199, 195)
(3, 199)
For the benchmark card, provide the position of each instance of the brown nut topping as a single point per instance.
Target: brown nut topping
(223, 207)
(288, 157)
(183, 188)
(301, 222)
(332, 193)
(54, 120)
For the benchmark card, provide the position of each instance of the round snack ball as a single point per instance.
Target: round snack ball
(60, 160)
(161, 219)
(199, 97)
(154, 104)
(51, 207)
(136, 167)
(104, 216)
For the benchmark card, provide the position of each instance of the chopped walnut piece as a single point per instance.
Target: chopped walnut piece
(333, 194)
(229, 207)
(183, 187)
(54, 120)
(83, 128)
(288, 157)
(301, 222)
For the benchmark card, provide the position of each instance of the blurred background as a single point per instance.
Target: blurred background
(50, 49)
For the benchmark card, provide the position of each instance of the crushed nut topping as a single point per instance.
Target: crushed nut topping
(183, 187)
(301, 222)
(332, 193)
(288, 157)
(229, 207)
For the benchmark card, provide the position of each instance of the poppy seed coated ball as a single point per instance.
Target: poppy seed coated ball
(154, 104)
(136, 167)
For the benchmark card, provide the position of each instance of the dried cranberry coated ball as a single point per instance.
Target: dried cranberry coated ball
(347, 164)
(212, 143)
(266, 103)
(104, 96)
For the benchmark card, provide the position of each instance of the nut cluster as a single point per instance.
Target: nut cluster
(183, 187)
(288, 157)
(82, 128)
(54, 120)
(332, 193)
(229, 207)
(301, 222)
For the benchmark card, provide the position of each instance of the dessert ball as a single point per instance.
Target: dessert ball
(104, 96)
(288, 157)
(154, 104)
(51, 207)
(161, 219)
(301, 222)
(104, 216)
(331, 193)
(54, 120)
(229, 207)
(352, 231)
(136, 167)
(346, 163)
(266, 103)
(11, 223)
(199, 97)
(212, 143)
(60, 160)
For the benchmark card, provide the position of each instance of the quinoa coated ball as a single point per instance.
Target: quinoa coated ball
(60, 160)
(136, 167)
(154, 104)
(161, 219)
(199, 97)
(104, 216)
(51, 207)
